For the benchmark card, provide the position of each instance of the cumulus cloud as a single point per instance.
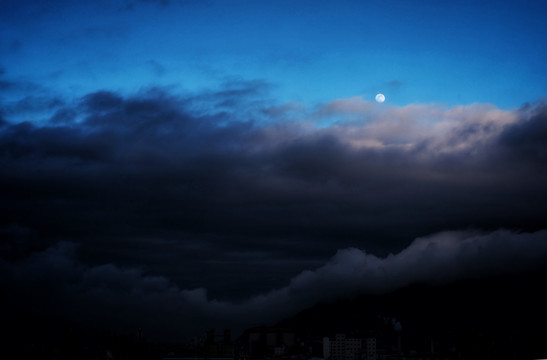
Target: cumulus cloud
(108, 295)
(54, 283)
(435, 259)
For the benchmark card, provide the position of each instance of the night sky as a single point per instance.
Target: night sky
(180, 165)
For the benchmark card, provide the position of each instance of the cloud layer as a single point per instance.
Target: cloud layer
(56, 283)
(228, 191)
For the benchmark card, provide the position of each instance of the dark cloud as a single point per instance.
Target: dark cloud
(438, 258)
(101, 101)
(63, 116)
(32, 104)
(56, 284)
(143, 192)
(54, 280)
(19, 242)
(166, 164)
(23, 89)
(526, 140)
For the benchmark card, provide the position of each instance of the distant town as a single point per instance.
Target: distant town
(284, 343)
(460, 321)
(261, 343)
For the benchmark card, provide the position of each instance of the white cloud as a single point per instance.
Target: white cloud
(444, 129)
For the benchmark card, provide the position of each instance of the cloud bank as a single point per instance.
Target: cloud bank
(161, 195)
(108, 296)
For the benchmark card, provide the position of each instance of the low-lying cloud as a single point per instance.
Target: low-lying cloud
(54, 281)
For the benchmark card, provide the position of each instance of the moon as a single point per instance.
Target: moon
(380, 98)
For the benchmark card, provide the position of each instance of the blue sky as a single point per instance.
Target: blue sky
(309, 51)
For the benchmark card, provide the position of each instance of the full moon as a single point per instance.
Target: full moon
(380, 98)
